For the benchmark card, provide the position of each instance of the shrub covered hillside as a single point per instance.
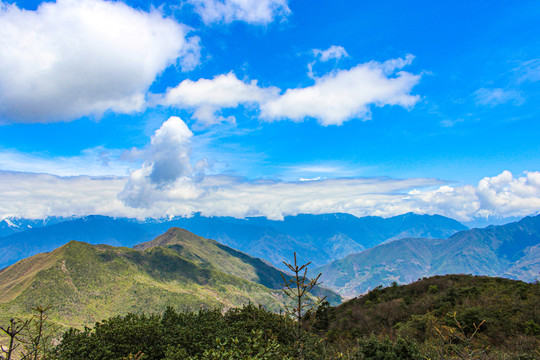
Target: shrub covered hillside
(452, 314)
(247, 333)
(444, 317)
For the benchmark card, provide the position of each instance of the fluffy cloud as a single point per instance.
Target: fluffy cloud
(250, 11)
(347, 94)
(186, 193)
(504, 195)
(501, 196)
(497, 96)
(208, 96)
(333, 99)
(333, 52)
(169, 184)
(73, 58)
(166, 182)
(167, 160)
(40, 195)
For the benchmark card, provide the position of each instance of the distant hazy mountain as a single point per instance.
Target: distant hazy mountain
(91, 229)
(86, 283)
(10, 226)
(316, 238)
(511, 250)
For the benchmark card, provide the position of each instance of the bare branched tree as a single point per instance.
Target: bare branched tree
(12, 330)
(38, 335)
(297, 289)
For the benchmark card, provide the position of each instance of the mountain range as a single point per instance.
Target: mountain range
(511, 251)
(316, 238)
(86, 283)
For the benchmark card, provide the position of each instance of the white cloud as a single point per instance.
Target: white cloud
(500, 196)
(251, 11)
(497, 96)
(208, 96)
(73, 58)
(40, 195)
(347, 94)
(218, 195)
(334, 98)
(504, 195)
(169, 184)
(167, 160)
(333, 52)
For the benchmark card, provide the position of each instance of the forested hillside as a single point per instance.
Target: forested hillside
(443, 317)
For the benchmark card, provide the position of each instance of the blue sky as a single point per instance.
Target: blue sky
(229, 108)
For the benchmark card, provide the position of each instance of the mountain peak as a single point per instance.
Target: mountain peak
(174, 236)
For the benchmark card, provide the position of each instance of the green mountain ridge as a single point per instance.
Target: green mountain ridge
(86, 283)
(206, 252)
(507, 250)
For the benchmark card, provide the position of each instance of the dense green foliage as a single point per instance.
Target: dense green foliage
(444, 317)
(247, 333)
(181, 335)
(455, 314)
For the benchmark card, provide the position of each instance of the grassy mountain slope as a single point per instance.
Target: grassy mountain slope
(208, 253)
(86, 283)
(507, 250)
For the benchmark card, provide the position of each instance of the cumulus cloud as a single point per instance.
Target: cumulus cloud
(166, 181)
(207, 96)
(500, 196)
(496, 96)
(167, 160)
(334, 98)
(250, 11)
(73, 58)
(217, 195)
(333, 52)
(504, 195)
(169, 184)
(347, 94)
